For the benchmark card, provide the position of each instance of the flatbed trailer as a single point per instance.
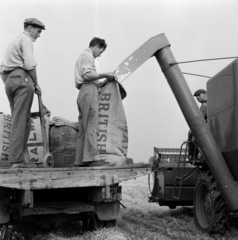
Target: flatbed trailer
(89, 194)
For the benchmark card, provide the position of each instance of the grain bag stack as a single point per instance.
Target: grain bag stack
(110, 128)
(63, 134)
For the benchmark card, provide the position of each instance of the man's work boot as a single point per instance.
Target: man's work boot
(5, 164)
(99, 163)
(81, 165)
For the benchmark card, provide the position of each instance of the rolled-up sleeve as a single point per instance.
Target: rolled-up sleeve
(87, 64)
(29, 62)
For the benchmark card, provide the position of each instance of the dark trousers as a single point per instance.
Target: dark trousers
(20, 92)
(192, 149)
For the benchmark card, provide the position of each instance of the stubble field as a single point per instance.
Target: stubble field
(140, 220)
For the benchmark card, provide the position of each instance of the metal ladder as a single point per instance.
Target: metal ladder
(180, 177)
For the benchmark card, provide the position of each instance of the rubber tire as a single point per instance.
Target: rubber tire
(104, 224)
(48, 160)
(6, 233)
(210, 210)
(91, 222)
(172, 206)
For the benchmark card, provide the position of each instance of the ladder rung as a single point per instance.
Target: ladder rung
(181, 165)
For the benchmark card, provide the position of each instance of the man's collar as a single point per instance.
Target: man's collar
(89, 49)
(27, 34)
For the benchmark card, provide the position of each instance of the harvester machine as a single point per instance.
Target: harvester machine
(208, 178)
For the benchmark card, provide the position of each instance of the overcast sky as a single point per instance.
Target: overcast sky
(196, 29)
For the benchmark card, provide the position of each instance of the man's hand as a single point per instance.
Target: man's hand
(102, 83)
(110, 76)
(38, 90)
(115, 77)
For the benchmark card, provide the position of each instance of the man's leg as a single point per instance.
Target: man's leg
(87, 136)
(80, 140)
(20, 94)
(192, 147)
(91, 126)
(28, 121)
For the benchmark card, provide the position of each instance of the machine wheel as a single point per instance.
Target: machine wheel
(210, 210)
(172, 206)
(91, 222)
(4, 232)
(48, 160)
(105, 224)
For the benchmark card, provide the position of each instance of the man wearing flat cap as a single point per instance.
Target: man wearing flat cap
(201, 96)
(18, 72)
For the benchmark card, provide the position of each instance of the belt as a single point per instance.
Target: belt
(81, 84)
(5, 74)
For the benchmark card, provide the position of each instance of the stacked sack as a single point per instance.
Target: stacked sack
(63, 135)
(34, 144)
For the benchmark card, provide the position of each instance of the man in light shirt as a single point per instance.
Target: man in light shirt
(86, 80)
(18, 72)
(201, 96)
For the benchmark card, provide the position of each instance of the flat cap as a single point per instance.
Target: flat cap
(199, 91)
(34, 22)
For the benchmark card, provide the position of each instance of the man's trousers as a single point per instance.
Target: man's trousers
(86, 145)
(20, 92)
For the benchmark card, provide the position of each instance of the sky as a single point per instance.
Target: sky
(196, 29)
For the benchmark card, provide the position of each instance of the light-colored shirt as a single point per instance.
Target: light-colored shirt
(19, 54)
(84, 64)
(203, 109)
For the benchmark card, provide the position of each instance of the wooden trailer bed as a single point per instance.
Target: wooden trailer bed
(52, 178)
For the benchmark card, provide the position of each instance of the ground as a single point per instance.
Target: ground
(140, 220)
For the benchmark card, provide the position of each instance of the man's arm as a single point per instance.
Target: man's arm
(29, 62)
(203, 109)
(92, 76)
(33, 75)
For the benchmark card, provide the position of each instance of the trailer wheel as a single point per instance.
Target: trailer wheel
(210, 210)
(91, 222)
(48, 160)
(172, 206)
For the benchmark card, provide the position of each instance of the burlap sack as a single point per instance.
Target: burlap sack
(35, 142)
(104, 133)
(112, 140)
(5, 130)
(59, 121)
